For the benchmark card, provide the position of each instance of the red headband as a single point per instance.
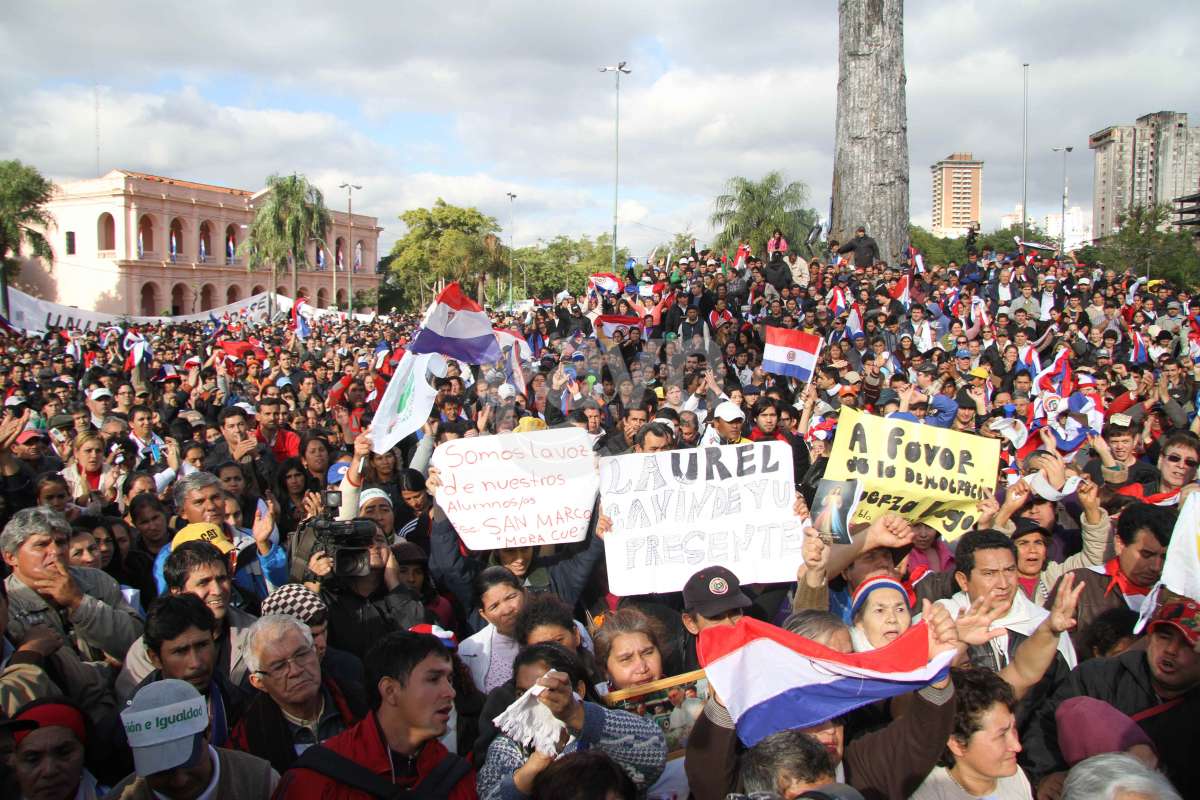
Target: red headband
(50, 714)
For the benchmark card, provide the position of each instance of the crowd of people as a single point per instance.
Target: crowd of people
(171, 627)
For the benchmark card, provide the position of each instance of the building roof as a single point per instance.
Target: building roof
(208, 187)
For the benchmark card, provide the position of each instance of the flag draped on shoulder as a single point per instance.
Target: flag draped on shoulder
(407, 400)
(791, 352)
(457, 327)
(807, 683)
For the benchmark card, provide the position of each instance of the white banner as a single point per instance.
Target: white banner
(518, 489)
(37, 316)
(675, 512)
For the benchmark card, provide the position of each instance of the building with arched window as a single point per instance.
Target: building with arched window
(133, 243)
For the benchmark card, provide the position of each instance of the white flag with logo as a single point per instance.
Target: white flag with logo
(407, 401)
(1181, 568)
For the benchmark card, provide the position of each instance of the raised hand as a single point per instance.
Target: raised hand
(58, 586)
(890, 530)
(1062, 614)
(974, 626)
(815, 552)
(943, 636)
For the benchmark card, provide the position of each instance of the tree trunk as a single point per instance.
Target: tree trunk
(870, 165)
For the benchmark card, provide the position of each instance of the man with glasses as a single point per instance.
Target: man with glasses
(297, 706)
(1177, 461)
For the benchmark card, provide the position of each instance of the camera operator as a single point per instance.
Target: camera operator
(364, 608)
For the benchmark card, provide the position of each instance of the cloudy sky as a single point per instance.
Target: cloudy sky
(469, 101)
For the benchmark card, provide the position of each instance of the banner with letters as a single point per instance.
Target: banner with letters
(36, 316)
(678, 511)
(921, 472)
(518, 489)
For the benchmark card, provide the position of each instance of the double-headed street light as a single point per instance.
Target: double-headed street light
(350, 247)
(618, 69)
(512, 253)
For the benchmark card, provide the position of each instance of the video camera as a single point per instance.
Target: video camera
(345, 541)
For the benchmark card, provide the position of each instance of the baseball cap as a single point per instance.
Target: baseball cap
(978, 372)
(852, 377)
(887, 396)
(165, 725)
(506, 391)
(713, 591)
(960, 353)
(203, 532)
(96, 394)
(249, 409)
(928, 369)
(446, 637)
(14, 401)
(193, 418)
(336, 472)
(29, 433)
(294, 599)
(728, 411)
(1182, 615)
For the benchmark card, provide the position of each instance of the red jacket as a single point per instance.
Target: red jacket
(364, 745)
(286, 444)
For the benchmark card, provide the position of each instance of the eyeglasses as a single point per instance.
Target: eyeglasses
(1190, 463)
(281, 668)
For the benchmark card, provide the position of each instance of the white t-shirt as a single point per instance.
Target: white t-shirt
(939, 785)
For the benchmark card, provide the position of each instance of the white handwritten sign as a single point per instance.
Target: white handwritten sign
(518, 489)
(675, 512)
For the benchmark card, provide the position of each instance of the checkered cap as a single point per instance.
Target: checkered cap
(295, 599)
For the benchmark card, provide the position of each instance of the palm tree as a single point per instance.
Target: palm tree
(472, 258)
(291, 214)
(23, 220)
(751, 211)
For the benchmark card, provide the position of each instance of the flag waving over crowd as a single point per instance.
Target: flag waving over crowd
(407, 401)
(807, 683)
(791, 352)
(456, 326)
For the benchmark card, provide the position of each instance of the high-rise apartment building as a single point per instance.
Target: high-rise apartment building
(957, 194)
(1150, 162)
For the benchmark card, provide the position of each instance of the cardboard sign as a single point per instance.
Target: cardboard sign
(518, 489)
(675, 512)
(921, 472)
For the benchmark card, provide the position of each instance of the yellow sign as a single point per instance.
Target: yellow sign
(921, 472)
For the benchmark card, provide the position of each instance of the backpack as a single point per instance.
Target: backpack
(437, 784)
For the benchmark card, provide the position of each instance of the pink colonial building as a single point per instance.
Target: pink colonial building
(132, 243)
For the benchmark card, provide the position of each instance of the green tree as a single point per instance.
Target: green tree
(937, 249)
(565, 263)
(446, 242)
(1142, 245)
(23, 220)
(751, 211)
(291, 215)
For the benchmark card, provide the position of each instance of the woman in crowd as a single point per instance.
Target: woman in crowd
(635, 743)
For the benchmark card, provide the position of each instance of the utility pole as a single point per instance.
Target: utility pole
(1025, 151)
(1062, 241)
(618, 69)
(350, 248)
(512, 253)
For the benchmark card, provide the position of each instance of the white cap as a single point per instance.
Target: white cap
(506, 391)
(729, 412)
(373, 494)
(164, 724)
(98, 393)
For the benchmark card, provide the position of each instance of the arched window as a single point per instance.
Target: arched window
(322, 298)
(204, 245)
(106, 233)
(339, 253)
(231, 244)
(233, 294)
(358, 256)
(145, 237)
(208, 297)
(179, 298)
(175, 239)
(149, 304)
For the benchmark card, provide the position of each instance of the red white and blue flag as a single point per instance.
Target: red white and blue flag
(1139, 353)
(791, 352)
(605, 283)
(608, 324)
(808, 683)
(457, 327)
(901, 291)
(854, 321)
(839, 301)
(1057, 377)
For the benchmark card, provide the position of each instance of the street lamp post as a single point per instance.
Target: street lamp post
(351, 250)
(512, 254)
(618, 69)
(1025, 150)
(1062, 241)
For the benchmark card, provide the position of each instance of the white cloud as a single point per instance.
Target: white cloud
(227, 94)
